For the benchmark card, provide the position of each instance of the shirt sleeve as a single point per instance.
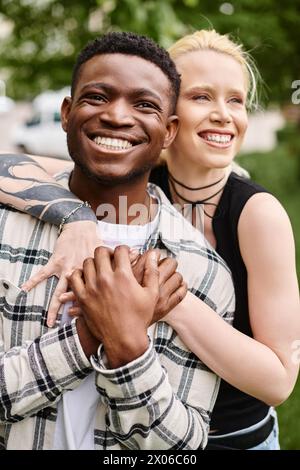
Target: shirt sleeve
(158, 401)
(34, 375)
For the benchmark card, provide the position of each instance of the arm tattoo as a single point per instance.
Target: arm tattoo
(25, 185)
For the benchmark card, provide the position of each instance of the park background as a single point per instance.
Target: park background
(39, 40)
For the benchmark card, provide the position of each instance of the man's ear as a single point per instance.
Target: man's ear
(65, 111)
(172, 128)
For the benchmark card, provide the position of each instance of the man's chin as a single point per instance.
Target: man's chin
(111, 178)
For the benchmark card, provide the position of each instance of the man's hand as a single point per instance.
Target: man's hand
(116, 308)
(172, 288)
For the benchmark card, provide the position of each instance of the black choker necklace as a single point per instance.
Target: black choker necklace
(194, 204)
(171, 177)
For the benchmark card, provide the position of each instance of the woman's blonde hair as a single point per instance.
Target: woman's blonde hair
(211, 40)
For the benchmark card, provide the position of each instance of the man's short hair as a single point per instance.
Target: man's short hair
(130, 44)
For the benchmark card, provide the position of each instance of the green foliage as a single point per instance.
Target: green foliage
(289, 136)
(277, 168)
(39, 54)
(47, 35)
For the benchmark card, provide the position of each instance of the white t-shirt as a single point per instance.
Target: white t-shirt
(76, 410)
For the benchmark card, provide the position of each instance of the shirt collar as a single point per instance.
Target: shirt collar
(172, 228)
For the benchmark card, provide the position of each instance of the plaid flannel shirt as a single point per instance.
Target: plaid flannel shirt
(161, 400)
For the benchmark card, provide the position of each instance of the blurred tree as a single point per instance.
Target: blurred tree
(47, 34)
(40, 51)
(267, 28)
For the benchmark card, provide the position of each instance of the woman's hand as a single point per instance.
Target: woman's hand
(172, 288)
(77, 242)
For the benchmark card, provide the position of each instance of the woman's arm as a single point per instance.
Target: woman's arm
(52, 165)
(25, 185)
(265, 367)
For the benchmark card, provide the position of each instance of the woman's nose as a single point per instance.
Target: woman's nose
(221, 114)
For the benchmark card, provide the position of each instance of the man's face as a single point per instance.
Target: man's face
(118, 119)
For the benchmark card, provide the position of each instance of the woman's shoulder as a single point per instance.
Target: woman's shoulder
(255, 200)
(264, 230)
(263, 207)
(243, 185)
(237, 192)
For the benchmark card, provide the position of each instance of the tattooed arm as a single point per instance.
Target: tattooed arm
(53, 166)
(25, 185)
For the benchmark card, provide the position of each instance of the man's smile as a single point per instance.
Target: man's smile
(114, 144)
(117, 142)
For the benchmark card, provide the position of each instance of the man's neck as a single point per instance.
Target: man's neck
(116, 199)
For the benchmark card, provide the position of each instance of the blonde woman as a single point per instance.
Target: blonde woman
(244, 223)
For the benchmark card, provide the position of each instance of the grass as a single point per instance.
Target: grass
(279, 172)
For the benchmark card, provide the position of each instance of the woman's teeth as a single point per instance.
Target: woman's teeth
(219, 138)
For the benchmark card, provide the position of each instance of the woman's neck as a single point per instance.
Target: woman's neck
(208, 180)
(211, 181)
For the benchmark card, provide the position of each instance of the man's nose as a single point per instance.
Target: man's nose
(118, 114)
(221, 113)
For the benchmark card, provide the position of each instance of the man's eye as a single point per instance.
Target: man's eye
(148, 105)
(96, 97)
(145, 104)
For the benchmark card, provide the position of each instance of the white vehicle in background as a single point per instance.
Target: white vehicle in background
(6, 103)
(42, 133)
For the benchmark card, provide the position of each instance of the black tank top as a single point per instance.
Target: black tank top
(234, 409)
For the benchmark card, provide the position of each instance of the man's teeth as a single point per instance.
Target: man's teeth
(113, 143)
(219, 138)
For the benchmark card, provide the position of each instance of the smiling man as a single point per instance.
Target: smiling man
(111, 378)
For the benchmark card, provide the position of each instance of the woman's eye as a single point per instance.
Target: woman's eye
(200, 98)
(237, 100)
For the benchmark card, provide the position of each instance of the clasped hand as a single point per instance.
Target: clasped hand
(119, 302)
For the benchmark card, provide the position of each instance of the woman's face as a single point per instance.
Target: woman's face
(211, 109)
